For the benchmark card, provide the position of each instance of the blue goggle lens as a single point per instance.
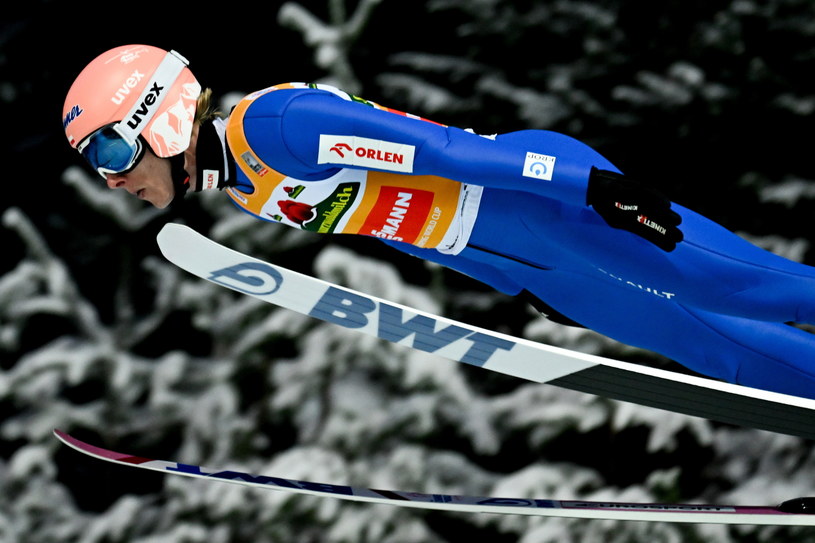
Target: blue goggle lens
(108, 152)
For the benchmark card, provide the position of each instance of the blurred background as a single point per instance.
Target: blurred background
(711, 102)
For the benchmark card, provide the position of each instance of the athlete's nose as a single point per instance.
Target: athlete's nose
(115, 180)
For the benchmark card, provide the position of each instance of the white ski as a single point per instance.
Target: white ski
(518, 357)
(792, 512)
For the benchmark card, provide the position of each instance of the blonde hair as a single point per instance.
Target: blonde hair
(205, 110)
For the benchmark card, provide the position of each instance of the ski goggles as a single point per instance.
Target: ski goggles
(108, 151)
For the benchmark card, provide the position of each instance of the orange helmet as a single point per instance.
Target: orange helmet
(131, 94)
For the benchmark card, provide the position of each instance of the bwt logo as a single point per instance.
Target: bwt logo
(356, 311)
(255, 278)
(353, 310)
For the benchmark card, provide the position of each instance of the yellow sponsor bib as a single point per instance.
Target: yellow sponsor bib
(416, 209)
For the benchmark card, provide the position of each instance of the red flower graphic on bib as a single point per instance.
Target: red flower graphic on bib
(296, 212)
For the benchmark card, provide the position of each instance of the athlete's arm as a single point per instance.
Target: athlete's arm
(536, 161)
(541, 162)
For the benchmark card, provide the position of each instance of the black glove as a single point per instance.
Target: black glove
(631, 206)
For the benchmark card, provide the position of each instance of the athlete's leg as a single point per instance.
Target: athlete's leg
(769, 356)
(712, 269)
(761, 354)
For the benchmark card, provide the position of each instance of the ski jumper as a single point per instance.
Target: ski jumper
(510, 211)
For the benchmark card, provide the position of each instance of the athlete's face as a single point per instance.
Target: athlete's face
(150, 180)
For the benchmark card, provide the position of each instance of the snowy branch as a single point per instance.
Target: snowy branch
(130, 214)
(61, 294)
(331, 41)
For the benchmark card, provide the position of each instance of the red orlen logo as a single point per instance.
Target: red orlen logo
(377, 155)
(366, 153)
(340, 147)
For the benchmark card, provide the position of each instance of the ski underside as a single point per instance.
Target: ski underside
(518, 357)
(793, 512)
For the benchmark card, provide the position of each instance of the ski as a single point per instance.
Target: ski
(518, 357)
(793, 512)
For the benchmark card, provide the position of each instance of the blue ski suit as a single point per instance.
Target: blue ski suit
(510, 211)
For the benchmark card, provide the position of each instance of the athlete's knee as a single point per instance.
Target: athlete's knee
(764, 355)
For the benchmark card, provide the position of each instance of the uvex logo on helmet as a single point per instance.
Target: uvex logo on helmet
(129, 84)
(144, 108)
